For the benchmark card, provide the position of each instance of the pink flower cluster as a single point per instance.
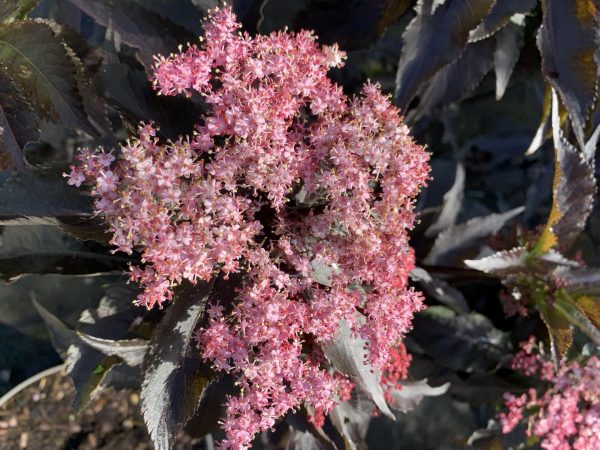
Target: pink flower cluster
(567, 415)
(307, 193)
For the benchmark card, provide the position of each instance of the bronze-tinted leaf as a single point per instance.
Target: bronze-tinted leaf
(590, 307)
(559, 330)
(568, 63)
(432, 40)
(39, 63)
(573, 191)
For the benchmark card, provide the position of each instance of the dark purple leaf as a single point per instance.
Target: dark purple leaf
(131, 351)
(499, 16)
(173, 375)
(569, 64)
(467, 342)
(413, 392)
(434, 39)
(452, 203)
(450, 243)
(573, 191)
(33, 48)
(457, 80)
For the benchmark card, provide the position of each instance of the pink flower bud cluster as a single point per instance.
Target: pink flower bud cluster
(307, 193)
(567, 415)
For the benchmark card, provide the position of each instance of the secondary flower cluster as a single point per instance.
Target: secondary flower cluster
(305, 192)
(567, 415)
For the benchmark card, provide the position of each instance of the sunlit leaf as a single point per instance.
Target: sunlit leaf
(568, 64)
(131, 351)
(173, 375)
(509, 41)
(351, 419)
(452, 203)
(559, 330)
(499, 16)
(544, 130)
(573, 191)
(434, 39)
(449, 243)
(590, 307)
(90, 369)
(569, 308)
(347, 353)
(412, 393)
(37, 60)
(440, 290)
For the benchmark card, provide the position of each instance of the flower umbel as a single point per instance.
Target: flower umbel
(567, 415)
(306, 194)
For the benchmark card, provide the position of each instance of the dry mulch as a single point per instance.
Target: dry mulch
(41, 418)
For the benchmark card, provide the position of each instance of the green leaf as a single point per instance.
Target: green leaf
(11, 10)
(499, 16)
(173, 376)
(568, 64)
(434, 39)
(348, 354)
(38, 61)
(573, 191)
